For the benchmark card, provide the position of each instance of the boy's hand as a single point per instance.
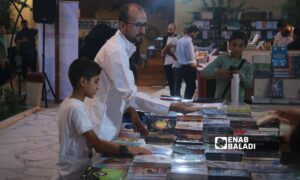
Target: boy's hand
(139, 151)
(183, 107)
(224, 73)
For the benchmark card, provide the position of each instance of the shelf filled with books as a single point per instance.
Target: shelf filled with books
(276, 77)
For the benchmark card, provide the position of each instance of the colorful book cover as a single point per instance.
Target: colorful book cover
(279, 57)
(103, 173)
(276, 88)
(164, 124)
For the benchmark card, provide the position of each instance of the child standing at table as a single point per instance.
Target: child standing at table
(76, 135)
(223, 67)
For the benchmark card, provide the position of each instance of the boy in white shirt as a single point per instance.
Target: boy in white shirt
(76, 135)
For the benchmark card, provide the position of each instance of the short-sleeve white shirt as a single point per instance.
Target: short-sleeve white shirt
(73, 121)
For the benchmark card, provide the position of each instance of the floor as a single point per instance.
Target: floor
(29, 148)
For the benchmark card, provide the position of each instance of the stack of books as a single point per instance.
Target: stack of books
(262, 65)
(223, 155)
(189, 167)
(155, 166)
(215, 128)
(219, 173)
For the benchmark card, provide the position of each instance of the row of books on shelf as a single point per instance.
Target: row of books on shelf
(279, 64)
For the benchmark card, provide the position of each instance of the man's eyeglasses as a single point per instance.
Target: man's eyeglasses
(139, 25)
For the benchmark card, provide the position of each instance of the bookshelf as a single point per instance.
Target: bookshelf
(265, 84)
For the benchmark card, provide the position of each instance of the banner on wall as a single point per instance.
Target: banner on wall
(68, 23)
(68, 28)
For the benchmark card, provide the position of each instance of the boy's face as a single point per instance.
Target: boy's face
(91, 86)
(237, 47)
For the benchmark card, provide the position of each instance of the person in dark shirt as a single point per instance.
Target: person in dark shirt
(295, 45)
(25, 41)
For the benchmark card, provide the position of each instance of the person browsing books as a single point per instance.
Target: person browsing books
(290, 117)
(224, 66)
(187, 60)
(119, 91)
(76, 135)
(284, 37)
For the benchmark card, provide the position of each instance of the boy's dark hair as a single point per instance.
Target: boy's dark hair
(239, 35)
(123, 12)
(282, 24)
(82, 67)
(192, 29)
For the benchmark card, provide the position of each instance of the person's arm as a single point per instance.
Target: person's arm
(190, 52)
(102, 146)
(168, 51)
(138, 125)
(288, 116)
(214, 70)
(247, 76)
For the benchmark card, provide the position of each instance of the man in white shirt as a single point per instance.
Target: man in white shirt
(187, 60)
(168, 52)
(118, 91)
(284, 37)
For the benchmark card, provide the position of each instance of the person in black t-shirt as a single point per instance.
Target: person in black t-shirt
(25, 41)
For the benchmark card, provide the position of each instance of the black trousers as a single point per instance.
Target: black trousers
(170, 77)
(189, 74)
(177, 81)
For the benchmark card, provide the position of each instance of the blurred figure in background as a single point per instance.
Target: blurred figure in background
(168, 52)
(284, 36)
(25, 41)
(295, 45)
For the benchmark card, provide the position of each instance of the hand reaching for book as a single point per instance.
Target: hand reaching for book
(139, 151)
(138, 125)
(291, 117)
(184, 108)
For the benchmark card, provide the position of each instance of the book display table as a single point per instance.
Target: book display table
(218, 142)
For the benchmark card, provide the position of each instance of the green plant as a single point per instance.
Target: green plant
(291, 8)
(9, 101)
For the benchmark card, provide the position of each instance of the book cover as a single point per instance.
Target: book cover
(228, 173)
(164, 124)
(279, 57)
(103, 173)
(276, 88)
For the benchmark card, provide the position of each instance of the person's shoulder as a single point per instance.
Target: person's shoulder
(70, 104)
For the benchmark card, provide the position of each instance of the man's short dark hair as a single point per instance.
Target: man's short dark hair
(282, 24)
(24, 21)
(123, 13)
(82, 67)
(192, 29)
(239, 35)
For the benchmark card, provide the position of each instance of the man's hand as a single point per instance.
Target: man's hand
(224, 73)
(183, 107)
(137, 124)
(139, 151)
(291, 117)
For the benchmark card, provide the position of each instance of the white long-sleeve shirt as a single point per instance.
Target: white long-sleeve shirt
(185, 51)
(117, 89)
